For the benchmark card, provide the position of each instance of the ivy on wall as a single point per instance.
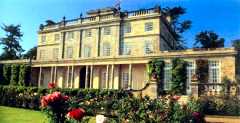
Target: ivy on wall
(179, 76)
(24, 75)
(14, 74)
(155, 69)
(6, 74)
(202, 73)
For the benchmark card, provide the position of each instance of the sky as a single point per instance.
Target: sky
(220, 16)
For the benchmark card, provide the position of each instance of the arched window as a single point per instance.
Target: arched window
(106, 49)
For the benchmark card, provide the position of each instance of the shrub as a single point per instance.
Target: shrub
(24, 75)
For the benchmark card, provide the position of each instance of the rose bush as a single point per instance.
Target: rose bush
(55, 105)
(76, 114)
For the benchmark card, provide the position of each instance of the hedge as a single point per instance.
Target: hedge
(29, 97)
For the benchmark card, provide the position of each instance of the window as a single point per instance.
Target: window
(107, 30)
(42, 54)
(167, 76)
(55, 53)
(126, 48)
(148, 48)
(69, 52)
(106, 49)
(57, 37)
(87, 51)
(127, 28)
(103, 81)
(190, 73)
(214, 71)
(88, 33)
(125, 79)
(148, 26)
(70, 35)
(43, 38)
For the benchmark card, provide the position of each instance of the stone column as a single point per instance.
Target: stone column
(67, 75)
(112, 77)
(195, 86)
(91, 76)
(107, 76)
(130, 76)
(51, 79)
(86, 77)
(72, 79)
(55, 74)
(39, 77)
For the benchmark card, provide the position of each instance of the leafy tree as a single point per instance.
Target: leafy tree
(178, 26)
(11, 47)
(31, 54)
(208, 39)
(236, 43)
(24, 75)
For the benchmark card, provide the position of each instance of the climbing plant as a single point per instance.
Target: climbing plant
(155, 71)
(24, 75)
(202, 73)
(179, 76)
(14, 74)
(6, 74)
(1, 74)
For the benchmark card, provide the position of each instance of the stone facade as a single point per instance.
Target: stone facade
(110, 49)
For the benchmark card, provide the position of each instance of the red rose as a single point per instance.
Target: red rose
(44, 102)
(51, 85)
(76, 113)
(175, 97)
(65, 98)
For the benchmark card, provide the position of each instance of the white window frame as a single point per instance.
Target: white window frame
(42, 54)
(107, 30)
(106, 49)
(88, 33)
(43, 38)
(87, 52)
(167, 76)
(148, 47)
(56, 37)
(70, 35)
(125, 48)
(103, 80)
(191, 70)
(55, 53)
(214, 67)
(148, 26)
(127, 28)
(69, 52)
(125, 80)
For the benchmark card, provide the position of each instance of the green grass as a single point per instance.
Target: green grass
(18, 115)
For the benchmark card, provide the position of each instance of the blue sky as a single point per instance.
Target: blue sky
(221, 16)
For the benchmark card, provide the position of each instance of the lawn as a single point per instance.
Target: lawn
(18, 115)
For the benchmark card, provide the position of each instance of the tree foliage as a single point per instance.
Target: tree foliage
(177, 25)
(11, 46)
(236, 43)
(208, 39)
(24, 75)
(179, 76)
(31, 54)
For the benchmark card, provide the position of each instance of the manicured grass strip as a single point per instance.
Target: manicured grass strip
(18, 115)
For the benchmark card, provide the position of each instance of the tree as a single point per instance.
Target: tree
(208, 39)
(31, 54)
(178, 26)
(11, 47)
(236, 43)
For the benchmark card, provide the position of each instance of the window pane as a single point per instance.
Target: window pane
(69, 52)
(125, 79)
(127, 28)
(149, 26)
(56, 37)
(55, 53)
(87, 51)
(167, 76)
(107, 30)
(106, 49)
(148, 48)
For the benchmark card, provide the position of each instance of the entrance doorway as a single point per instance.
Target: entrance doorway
(82, 77)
